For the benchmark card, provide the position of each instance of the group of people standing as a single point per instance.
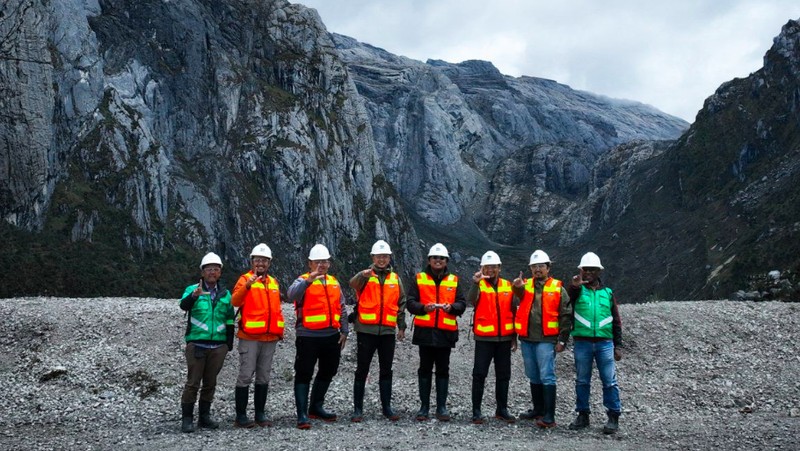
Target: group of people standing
(537, 313)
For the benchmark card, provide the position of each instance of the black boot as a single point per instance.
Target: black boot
(315, 409)
(241, 396)
(549, 418)
(537, 402)
(580, 422)
(501, 394)
(187, 417)
(612, 425)
(260, 401)
(441, 399)
(385, 387)
(204, 420)
(301, 401)
(424, 398)
(358, 401)
(477, 399)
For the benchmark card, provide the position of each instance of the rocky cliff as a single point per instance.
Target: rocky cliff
(138, 135)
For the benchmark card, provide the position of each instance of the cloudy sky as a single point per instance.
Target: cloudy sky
(669, 54)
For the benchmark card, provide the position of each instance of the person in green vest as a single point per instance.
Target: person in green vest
(209, 336)
(597, 333)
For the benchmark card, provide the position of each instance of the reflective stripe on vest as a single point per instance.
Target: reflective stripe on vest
(378, 303)
(492, 316)
(551, 302)
(430, 293)
(261, 310)
(593, 316)
(322, 306)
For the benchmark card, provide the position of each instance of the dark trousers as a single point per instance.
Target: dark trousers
(311, 350)
(485, 352)
(428, 356)
(204, 365)
(367, 345)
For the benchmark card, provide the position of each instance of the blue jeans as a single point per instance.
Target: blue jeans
(601, 352)
(540, 362)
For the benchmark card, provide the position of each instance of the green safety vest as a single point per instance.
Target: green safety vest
(593, 317)
(208, 321)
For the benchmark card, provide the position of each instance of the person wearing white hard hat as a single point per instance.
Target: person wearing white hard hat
(209, 336)
(543, 322)
(258, 298)
(321, 335)
(598, 335)
(495, 339)
(435, 299)
(379, 320)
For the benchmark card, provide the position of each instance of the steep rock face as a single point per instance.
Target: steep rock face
(460, 122)
(167, 129)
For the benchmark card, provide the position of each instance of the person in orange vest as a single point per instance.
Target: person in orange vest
(436, 300)
(598, 336)
(257, 296)
(495, 339)
(209, 337)
(379, 315)
(543, 323)
(321, 335)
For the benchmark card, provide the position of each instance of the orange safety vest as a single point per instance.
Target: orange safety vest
(377, 303)
(492, 315)
(322, 307)
(430, 293)
(261, 311)
(551, 301)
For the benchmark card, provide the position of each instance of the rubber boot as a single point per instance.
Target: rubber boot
(204, 419)
(501, 394)
(537, 402)
(549, 418)
(612, 425)
(580, 422)
(478, 386)
(441, 399)
(187, 417)
(385, 387)
(301, 401)
(241, 395)
(260, 401)
(315, 409)
(358, 401)
(424, 398)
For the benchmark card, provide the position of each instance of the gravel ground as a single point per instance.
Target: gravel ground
(108, 373)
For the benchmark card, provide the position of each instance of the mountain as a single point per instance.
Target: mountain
(139, 135)
(720, 208)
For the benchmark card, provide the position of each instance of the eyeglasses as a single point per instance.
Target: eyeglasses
(321, 262)
(539, 266)
(590, 269)
(260, 259)
(438, 257)
(212, 269)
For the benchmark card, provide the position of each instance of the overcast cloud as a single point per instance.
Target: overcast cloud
(669, 54)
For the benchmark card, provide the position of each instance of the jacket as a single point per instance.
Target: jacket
(209, 320)
(358, 283)
(431, 336)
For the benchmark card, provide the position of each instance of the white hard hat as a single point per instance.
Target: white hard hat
(380, 248)
(262, 250)
(490, 258)
(590, 260)
(539, 256)
(319, 252)
(438, 249)
(211, 259)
